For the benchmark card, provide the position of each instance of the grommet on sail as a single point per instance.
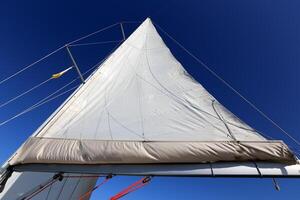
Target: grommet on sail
(141, 113)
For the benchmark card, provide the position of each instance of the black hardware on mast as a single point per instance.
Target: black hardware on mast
(75, 64)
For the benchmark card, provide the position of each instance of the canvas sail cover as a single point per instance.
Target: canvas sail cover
(141, 106)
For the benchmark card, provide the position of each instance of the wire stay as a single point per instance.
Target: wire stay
(95, 43)
(40, 188)
(24, 93)
(33, 88)
(56, 94)
(40, 103)
(29, 66)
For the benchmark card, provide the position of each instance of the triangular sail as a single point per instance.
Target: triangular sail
(139, 107)
(143, 93)
(142, 107)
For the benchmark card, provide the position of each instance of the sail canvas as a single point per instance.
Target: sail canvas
(141, 106)
(141, 113)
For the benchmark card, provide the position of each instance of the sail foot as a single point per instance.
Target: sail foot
(72, 151)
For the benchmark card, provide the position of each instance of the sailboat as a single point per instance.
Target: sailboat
(140, 113)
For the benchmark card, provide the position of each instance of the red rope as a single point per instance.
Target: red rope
(135, 186)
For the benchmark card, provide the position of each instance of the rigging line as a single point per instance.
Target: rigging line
(39, 103)
(36, 106)
(95, 43)
(54, 76)
(47, 97)
(74, 189)
(24, 93)
(41, 188)
(133, 187)
(131, 22)
(91, 34)
(222, 119)
(97, 66)
(30, 65)
(53, 52)
(62, 188)
(49, 191)
(229, 86)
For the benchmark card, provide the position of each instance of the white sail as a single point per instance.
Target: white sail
(142, 107)
(142, 93)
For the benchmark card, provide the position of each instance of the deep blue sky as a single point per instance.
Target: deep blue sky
(254, 45)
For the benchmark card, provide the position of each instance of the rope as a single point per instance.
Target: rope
(30, 65)
(229, 86)
(35, 87)
(49, 184)
(41, 188)
(53, 52)
(49, 191)
(135, 186)
(45, 100)
(62, 188)
(36, 106)
(26, 92)
(91, 34)
(74, 189)
(95, 43)
(224, 122)
(131, 22)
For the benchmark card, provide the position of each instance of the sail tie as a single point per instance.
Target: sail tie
(135, 186)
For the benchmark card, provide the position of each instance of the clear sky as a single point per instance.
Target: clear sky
(254, 45)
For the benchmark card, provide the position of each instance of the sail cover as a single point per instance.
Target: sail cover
(141, 106)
